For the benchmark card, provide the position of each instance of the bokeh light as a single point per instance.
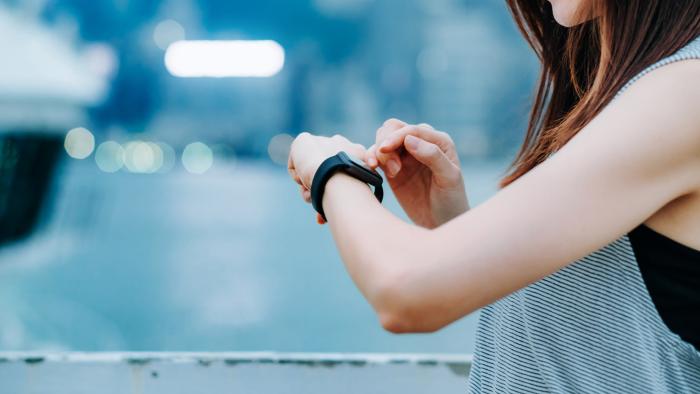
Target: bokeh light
(157, 157)
(197, 158)
(278, 148)
(142, 157)
(168, 155)
(167, 32)
(109, 156)
(79, 143)
(237, 58)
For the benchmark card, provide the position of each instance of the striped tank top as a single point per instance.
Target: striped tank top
(590, 327)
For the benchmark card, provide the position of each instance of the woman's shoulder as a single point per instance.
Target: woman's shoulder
(689, 52)
(681, 80)
(677, 71)
(682, 71)
(654, 125)
(673, 93)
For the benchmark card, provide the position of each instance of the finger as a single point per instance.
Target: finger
(423, 131)
(388, 127)
(389, 162)
(383, 156)
(432, 157)
(291, 168)
(290, 158)
(371, 157)
(305, 194)
(293, 174)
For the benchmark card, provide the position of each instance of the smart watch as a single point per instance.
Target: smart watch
(347, 164)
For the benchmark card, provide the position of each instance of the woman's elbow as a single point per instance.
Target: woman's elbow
(393, 324)
(398, 309)
(409, 323)
(398, 324)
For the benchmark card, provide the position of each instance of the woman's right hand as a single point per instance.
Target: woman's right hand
(422, 169)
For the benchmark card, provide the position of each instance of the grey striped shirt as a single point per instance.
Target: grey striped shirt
(591, 327)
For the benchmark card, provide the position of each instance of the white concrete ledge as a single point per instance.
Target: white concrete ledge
(238, 372)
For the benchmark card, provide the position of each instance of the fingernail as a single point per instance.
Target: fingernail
(384, 144)
(373, 162)
(393, 166)
(411, 142)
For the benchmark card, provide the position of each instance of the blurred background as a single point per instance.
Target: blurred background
(144, 198)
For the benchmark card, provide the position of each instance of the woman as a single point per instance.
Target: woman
(587, 261)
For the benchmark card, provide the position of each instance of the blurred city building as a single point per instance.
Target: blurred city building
(457, 64)
(145, 206)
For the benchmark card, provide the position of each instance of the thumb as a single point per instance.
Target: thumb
(431, 156)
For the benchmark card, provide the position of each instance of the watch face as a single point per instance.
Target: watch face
(360, 170)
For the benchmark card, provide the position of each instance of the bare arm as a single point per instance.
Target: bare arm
(642, 152)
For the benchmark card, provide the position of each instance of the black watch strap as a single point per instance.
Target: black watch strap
(344, 163)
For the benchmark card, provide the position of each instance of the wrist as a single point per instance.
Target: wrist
(342, 185)
(350, 167)
(344, 180)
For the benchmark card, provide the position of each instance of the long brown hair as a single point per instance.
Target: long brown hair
(584, 66)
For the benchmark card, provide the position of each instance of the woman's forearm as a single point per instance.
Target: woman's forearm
(376, 246)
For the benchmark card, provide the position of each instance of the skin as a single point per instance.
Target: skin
(566, 12)
(638, 161)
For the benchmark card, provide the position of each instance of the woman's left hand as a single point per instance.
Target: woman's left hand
(309, 151)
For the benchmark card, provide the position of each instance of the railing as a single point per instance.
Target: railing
(258, 373)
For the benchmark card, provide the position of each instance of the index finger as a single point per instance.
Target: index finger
(387, 129)
(422, 131)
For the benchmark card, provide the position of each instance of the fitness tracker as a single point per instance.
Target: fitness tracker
(345, 163)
